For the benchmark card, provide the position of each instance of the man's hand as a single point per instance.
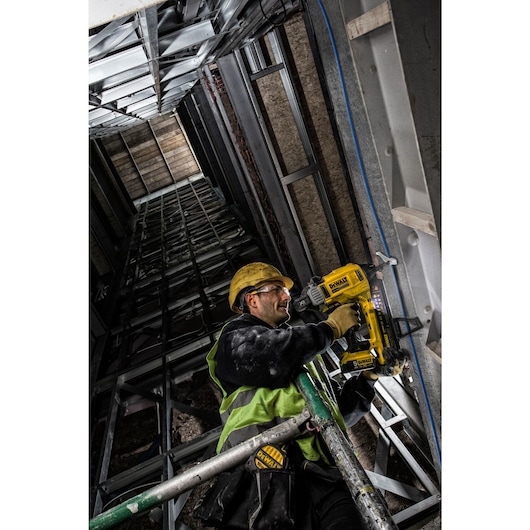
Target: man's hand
(394, 362)
(342, 319)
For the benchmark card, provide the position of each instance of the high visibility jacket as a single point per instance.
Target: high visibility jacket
(250, 350)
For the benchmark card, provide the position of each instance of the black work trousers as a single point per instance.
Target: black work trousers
(324, 502)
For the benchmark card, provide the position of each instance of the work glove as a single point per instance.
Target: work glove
(395, 360)
(342, 319)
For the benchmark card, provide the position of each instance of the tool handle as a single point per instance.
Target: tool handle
(356, 342)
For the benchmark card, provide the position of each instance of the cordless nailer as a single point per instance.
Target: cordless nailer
(377, 330)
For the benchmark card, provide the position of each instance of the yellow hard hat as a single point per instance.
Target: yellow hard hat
(252, 275)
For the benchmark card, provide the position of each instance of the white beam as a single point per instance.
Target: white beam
(104, 11)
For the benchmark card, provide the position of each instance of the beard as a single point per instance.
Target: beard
(274, 316)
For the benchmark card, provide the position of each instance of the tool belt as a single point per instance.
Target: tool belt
(257, 495)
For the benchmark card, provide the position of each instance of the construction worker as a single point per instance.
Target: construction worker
(255, 362)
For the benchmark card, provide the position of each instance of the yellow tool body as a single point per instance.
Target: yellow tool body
(349, 285)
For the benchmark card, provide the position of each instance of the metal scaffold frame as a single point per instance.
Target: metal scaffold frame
(367, 487)
(185, 247)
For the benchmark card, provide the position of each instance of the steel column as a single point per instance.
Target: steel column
(247, 112)
(313, 165)
(226, 132)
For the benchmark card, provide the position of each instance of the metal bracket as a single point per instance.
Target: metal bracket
(386, 259)
(412, 324)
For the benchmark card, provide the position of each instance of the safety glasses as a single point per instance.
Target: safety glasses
(276, 289)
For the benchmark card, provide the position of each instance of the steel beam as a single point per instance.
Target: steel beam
(244, 188)
(102, 11)
(295, 106)
(250, 120)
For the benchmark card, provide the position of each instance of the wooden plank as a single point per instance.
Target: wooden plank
(373, 19)
(415, 219)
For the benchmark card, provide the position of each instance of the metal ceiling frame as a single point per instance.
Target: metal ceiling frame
(144, 57)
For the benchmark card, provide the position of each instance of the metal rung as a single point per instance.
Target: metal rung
(415, 512)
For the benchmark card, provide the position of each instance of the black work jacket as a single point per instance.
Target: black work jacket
(251, 352)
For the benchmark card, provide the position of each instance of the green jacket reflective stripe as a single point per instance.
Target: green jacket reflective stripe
(249, 411)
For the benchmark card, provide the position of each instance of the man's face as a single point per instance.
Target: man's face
(270, 303)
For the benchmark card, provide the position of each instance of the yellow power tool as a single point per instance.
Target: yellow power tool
(365, 343)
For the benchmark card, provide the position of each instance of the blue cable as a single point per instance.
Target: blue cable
(376, 217)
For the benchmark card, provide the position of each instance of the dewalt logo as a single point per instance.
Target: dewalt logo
(339, 284)
(269, 457)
